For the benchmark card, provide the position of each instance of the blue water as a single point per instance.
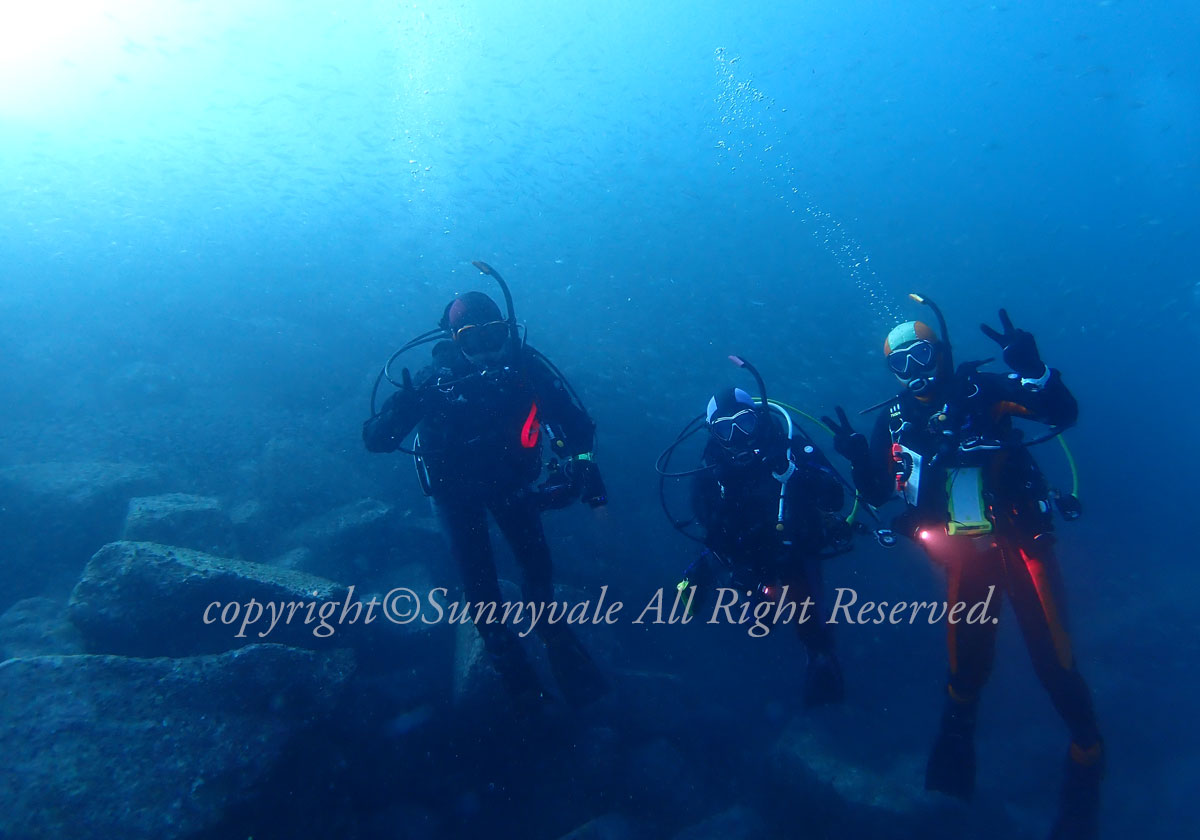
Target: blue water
(217, 219)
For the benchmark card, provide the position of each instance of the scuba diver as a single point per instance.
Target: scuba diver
(979, 505)
(766, 501)
(482, 411)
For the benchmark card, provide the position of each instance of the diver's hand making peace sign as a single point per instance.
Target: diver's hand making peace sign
(1020, 350)
(850, 444)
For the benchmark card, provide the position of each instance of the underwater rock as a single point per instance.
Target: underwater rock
(851, 799)
(661, 778)
(350, 540)
(182, 520)
(418, 537)
(365, 541)
(606, 827)
(54, 515)
(296, 478)
(298, 558)
(36, 627)
(476, 685)
(737, 823)
(79, 485)
(146, 599)
(255, 528)
(597, 756)
(407, 820)
(652, 701)
(108, 746)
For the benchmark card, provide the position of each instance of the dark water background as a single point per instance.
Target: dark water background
(216, 220)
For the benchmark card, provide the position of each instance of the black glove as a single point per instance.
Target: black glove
(848, 443)
(1020, 350)
(385, 431)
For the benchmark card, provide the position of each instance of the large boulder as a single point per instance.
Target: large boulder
(476, 681)
(844, 795)
(476, 685)
(53, 515)
(35, 627)
(146, 599)
(737, 823)
(661, 778)
(295, 478)
(364, 541)
(606, 827)
(79, 485)
(183, 520)
(107, 746)
(352, 540)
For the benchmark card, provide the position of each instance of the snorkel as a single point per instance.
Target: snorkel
(744, 457)
(764, 408)
(921, 385)
(508, 300)
(442, 331)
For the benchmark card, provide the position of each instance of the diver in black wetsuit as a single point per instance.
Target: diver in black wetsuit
(979, 505)
(766, 500)
(481, 411)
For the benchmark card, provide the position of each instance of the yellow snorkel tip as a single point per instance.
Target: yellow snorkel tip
(916, 297)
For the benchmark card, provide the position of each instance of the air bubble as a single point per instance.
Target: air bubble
(748, 122)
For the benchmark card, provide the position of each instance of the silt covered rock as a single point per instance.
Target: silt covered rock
(146, 599)
(54, 514)
(182, 520)
(850, 798)
(107, 746)
(36, 627)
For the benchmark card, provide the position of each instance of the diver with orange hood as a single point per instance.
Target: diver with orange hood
(979, 506)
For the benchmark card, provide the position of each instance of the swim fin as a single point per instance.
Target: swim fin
(508, 659)
(951, 767)
(1079, 801)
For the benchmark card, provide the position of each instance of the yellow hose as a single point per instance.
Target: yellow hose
(1074, 469)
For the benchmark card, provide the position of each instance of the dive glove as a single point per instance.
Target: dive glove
(848, 443)
(1020, 349)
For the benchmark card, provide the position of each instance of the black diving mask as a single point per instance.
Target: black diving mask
(744, 423)
(916, 360)
(482, 339)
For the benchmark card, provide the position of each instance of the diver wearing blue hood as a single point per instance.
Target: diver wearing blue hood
(766, 501)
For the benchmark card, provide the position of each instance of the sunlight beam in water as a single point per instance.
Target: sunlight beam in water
(60, 57)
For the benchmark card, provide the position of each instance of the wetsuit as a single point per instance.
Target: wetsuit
(738, 506)
(914, 448)
(480, 440)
